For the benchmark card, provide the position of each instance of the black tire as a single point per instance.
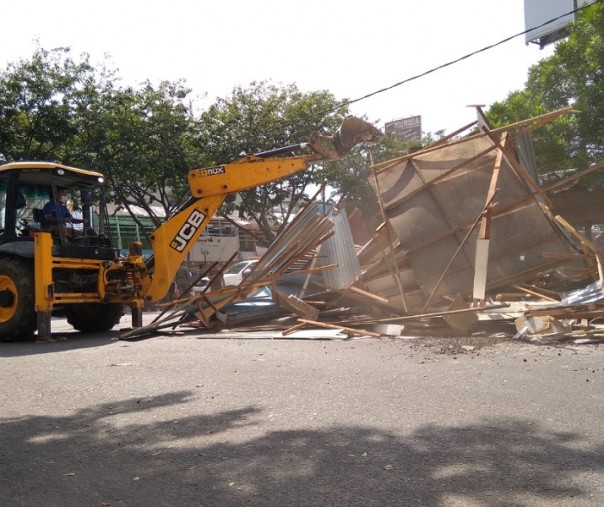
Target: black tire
(93, 317)
(17, 299)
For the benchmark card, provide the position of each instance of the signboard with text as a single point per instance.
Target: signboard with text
(405, 129)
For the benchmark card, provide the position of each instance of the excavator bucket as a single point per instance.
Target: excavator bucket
(353, 131)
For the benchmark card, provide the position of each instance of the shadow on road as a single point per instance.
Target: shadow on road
(63, 341)
(116, 454)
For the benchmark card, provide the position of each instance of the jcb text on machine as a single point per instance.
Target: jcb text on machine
(47, 264)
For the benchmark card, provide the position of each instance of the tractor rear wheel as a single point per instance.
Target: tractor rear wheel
(17, 299)
(94, 317)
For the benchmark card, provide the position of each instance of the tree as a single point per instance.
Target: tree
(54, 107)
(144, 142)
(38, 100)
(572, 76)
(259, 118)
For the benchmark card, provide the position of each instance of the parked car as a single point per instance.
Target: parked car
(201, 286)
(236, 272)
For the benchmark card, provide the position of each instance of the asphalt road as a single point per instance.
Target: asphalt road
(193, 420)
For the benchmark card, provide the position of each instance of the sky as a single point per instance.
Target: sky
(351, 48)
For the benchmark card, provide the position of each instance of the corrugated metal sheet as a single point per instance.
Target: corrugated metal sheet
(339, 249)
(590, 294)
(306, 232)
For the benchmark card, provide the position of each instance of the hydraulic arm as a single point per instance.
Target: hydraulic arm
(82, 273)
(209, 187)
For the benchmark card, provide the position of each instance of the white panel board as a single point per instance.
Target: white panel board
(537, 12)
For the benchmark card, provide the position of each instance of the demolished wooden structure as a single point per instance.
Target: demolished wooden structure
(463, 222)
(465, 218)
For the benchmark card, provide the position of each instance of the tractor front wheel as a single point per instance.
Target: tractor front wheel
(17, 299)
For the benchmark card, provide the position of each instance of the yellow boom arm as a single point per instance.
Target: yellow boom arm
(172, 241)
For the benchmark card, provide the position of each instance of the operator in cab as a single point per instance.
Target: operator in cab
(58, 217)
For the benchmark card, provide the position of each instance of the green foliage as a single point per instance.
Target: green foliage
(38, 101)
(573, 76)
(260, 118)
(55, 108)
(145, 140)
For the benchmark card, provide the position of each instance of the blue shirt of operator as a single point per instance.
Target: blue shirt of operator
(50, 210)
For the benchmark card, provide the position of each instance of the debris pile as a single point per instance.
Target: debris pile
(467, 235)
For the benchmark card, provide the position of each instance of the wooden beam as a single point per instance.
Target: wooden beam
(296, 306)
(362, 292)
(440, 314)
(293, 329)
(335, 326)
(534, 293)
(591, 261)
(574, 177)
(537, 120)
(481, 264)
(484, 231)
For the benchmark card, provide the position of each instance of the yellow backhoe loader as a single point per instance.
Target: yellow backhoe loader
(50, 261)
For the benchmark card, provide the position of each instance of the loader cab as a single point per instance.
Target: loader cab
(27, 187)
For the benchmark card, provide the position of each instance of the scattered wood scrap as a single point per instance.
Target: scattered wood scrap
(440, 258)
(349, 330)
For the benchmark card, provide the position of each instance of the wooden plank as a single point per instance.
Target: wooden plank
(584, 241)
(350, 330)
(484, 231)
(155, 325)
(586, 244)
(293, 329)
(295, 305)
(562, 183)
(362, 292)
(481, 266)
(529, 124)
(445, 312)
(568, 313)
(534, 293)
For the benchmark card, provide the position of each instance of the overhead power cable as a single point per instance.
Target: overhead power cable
(457, 60)
(321, 114)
